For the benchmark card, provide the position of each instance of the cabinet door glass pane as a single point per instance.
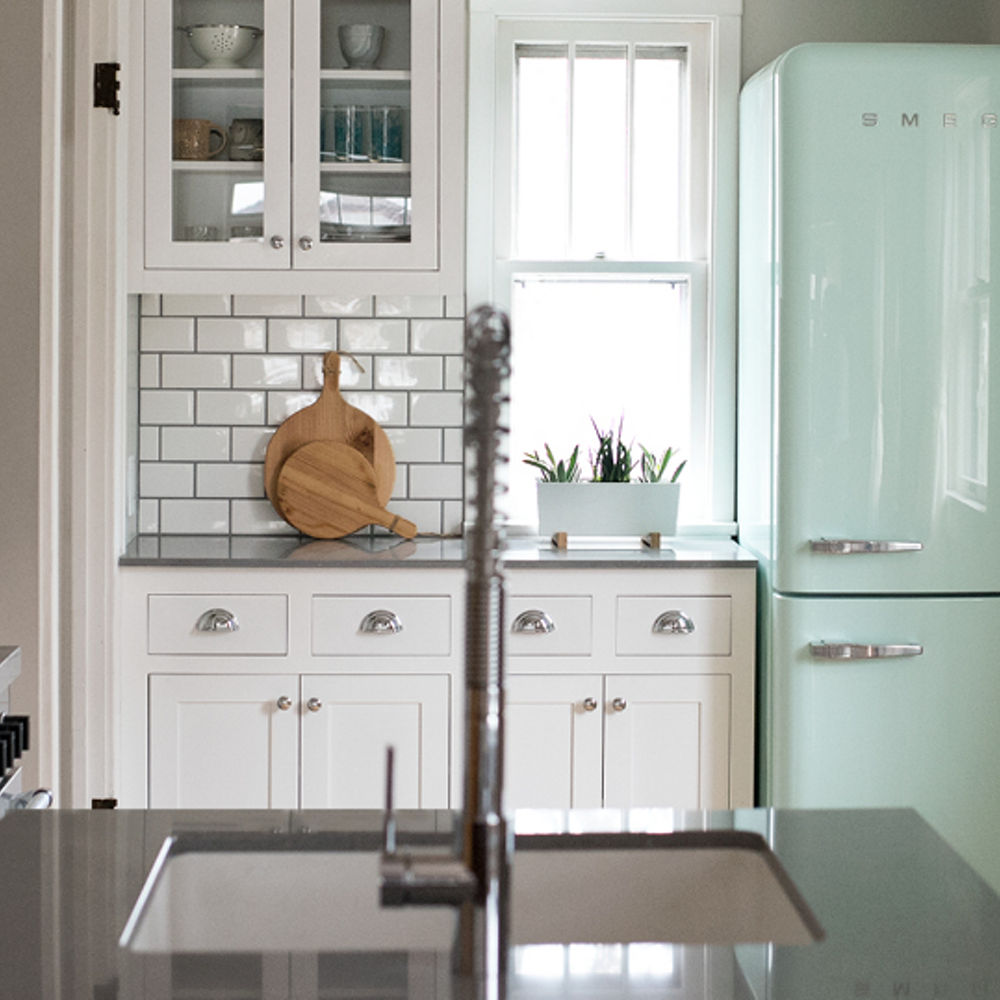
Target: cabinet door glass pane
(364, 136)
(217, 118)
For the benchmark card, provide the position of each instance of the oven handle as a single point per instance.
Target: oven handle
(40, 798)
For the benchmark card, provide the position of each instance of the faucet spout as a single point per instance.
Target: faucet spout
(480, 873)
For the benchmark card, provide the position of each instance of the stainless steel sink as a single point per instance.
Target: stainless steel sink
(319, 893)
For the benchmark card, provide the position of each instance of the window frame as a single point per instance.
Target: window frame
(710, 268)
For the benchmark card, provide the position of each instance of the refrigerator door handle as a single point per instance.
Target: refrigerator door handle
(853, 546)
(860, 651)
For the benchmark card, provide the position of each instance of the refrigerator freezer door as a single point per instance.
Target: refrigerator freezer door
(916, 728)
(884, 249)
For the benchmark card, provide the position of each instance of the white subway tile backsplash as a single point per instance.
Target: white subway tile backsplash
(218, 373)
(364, 336)
(436, 482)
(452, 513)
(250, 443)
(258, 517)
(149, 517)
(161, 333)
(230, 479)
(149, 443)
(437, 336)
(195, 371)
(281, 405)
(454, 373)
(454, 306)
(425, 514)
(269, 371)
(230, 407)
(387, 408)
(197, 305)
(149, 304)
(409, 305)
(194, 517)
(334, 305)
(408, 373)
(301, 334)
(166, 406)
(236, 335)
(195, 444)
(166, 479)
(267, 305)
(415, 444)
(439, 409)
(149, 371)
(454, 444)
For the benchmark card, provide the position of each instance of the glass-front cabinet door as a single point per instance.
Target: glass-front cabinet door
(285, 134)
(365, 138)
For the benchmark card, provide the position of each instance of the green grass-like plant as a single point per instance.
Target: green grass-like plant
(654, 467)
(613, 461)
(553, 470)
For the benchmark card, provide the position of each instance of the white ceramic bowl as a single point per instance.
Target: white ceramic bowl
(361, 44)
(222, 45)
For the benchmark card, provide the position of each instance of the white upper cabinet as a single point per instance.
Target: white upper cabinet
(262, 169)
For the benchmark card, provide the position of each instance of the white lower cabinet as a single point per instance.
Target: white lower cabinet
(221, 741)
(279, 688)
(587, 740)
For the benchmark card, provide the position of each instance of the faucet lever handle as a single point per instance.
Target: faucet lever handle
(389, 819)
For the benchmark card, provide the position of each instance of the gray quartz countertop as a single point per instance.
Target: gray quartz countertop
(246, 551)
(903, 916)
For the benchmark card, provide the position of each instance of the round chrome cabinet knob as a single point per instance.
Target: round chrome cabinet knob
(284, 703)
(589, 704)
(619, 704)
(314, 704)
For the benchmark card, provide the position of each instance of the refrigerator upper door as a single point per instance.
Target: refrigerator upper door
(908, 720)
(886, 251)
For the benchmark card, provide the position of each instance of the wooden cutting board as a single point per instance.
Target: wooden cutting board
(332, 418)
(328, 490)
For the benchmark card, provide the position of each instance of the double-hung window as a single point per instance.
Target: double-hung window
(600, 218)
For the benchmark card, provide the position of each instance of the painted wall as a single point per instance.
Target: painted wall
(20, 165)
(772, 26)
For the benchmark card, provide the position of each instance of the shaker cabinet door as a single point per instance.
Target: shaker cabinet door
(667, 741)
(552, 742)
(222, 741)
(347, 723)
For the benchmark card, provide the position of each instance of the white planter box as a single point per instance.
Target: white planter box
(608, 508)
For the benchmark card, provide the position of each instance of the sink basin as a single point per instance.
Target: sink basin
(319, 893)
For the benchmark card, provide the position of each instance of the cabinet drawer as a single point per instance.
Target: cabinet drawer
(674, 626)
(218, 624)
(381, 626)
(549, 626)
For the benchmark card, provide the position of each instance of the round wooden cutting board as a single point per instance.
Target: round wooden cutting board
(331, 418)
(328, 490)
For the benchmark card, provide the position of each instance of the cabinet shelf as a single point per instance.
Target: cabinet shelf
(218, 166)
(365, 167)
(367, 78)
(219, 75)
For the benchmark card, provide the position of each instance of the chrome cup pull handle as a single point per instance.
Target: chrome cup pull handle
(861, 546)
(673, 623)
(533, 622)
(217, 620)
(381, 622)
(861, 651)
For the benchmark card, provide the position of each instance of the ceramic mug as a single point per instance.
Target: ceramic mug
(246, 139)
(193, 139)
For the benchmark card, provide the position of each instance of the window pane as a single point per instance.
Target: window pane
(601, 348)
(542, 178)
(657, 154)
(600, 150)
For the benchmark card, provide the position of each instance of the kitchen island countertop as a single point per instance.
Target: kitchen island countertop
(273, 551)
(902, 913)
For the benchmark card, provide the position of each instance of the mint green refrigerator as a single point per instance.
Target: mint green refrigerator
(869, 383)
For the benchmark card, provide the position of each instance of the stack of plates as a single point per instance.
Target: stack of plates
(336, 232)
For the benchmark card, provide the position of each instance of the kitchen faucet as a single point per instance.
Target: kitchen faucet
(478, 879)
